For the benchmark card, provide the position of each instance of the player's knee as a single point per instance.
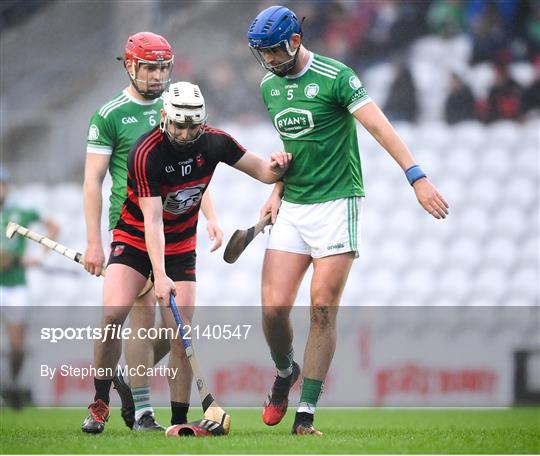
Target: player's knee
(111, 318)
(275, 314)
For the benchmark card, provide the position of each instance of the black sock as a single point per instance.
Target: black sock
(16, 359)
(103, 386)
(302, 417)
(179, 412)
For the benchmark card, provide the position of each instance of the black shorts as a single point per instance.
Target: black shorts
(179, 267)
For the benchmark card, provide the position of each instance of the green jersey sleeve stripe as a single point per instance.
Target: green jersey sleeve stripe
(326, 70)
(357, 104)
(114, 100)
(267, 78)
(101, 150)
(112, 108)
(110, 103)
(326, 67)
(328, 75)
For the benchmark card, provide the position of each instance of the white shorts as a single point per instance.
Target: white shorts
(318, 230)
(15, 304)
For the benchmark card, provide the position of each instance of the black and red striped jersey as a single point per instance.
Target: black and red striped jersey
(179, 177)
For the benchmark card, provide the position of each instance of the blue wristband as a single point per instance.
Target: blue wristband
(414, 173)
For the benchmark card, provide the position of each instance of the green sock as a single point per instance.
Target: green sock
(141, 398)
(310, 391)
(283, 362)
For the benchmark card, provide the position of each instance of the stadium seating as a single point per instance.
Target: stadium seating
(486, 252)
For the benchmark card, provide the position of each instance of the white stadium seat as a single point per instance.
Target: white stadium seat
(485, 253)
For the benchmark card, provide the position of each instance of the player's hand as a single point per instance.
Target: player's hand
(7, 260)
(163, 288)
(272, 205)
(216, 234)
(94, 259)
(430, 198)
(279, 162)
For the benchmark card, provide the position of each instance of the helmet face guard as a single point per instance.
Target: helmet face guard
(174, 131)
(278, 50)
(148, 87)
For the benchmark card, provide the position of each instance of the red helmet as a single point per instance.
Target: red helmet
(148, 46)
(150, 49)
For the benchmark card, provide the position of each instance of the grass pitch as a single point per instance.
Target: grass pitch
(351, 431)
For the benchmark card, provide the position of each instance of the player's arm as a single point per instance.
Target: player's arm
(154, 236)
(95, 169)
(273, 203)
(268, 172)
(212, 226)
(374, 121)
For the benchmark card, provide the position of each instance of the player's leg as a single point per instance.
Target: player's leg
(182, 269)
(16, 335)
(333, 233)
(281, 278)
(139, 352)
(329, 278)
(121, 287)
(181, 375)
(285, 263)
(15, 311)
(160, 348)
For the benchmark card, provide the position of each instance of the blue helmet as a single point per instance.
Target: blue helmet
(273, 26)
(271, 29)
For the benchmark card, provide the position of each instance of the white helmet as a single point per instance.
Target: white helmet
(183, 102)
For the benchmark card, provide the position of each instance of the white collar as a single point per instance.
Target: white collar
(303, 70)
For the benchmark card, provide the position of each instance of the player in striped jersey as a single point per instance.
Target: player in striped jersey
(113, 130)
(169, 169)
(314, 102)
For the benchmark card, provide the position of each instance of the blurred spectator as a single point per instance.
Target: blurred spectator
(401, 103)
(532, 31)
(460, 102)
(505, 97)
(505, 10)
(393, 26)
(446, 17)
(531, 95)
(345, 29)
(491, 40)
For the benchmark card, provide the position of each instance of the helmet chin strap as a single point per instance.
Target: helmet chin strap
(175, 143)
(288, 65)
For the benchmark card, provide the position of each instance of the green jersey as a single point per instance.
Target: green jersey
(14, 275)
(114, 128)
(312, 112)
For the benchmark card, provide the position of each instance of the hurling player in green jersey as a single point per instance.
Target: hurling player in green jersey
(113, 130)
(15, 299)
(314, 103)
